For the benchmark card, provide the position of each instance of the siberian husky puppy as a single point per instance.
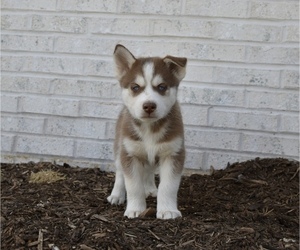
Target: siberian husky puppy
(149, 133)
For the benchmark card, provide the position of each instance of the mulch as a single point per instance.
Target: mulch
(249, 205)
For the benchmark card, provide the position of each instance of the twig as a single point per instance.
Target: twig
(154, 234)
(295, 174)
(40, 240)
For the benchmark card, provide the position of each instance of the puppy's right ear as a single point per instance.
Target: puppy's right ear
(123, 60)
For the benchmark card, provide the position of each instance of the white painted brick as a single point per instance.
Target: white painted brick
(59, 24)
(10, 63)
(275, 55)
(6, 143)
(8, 158)
(211, 96)
(110, 130)
(219, 160)
(116, 91)
(197, 73)
(271, 144)
(212, 139)
(26, 84)
(120, 26)
(194, 115)
(244, 120)
(291, 34)
(277, 101)
(27, 43)
(94, 150)
(216, 52)
(166, 7)
(217, 8)
(189, 28)
(92, 46)
(15, 22)
(100, 110)
(194, 159)
(290, 79)
(98, 68)
(76, 127)
(251, 77)
(44, 145)
(9, 103)
(247, 32)
(29, 5)
(86, 163)
(87, 6)
(23, 158)
(106, 46)
(72, 87)
(55, 65)
(160, 48)
(288, 10)
(43, 64)
(290, 123)
(22, 124)
(47, 105)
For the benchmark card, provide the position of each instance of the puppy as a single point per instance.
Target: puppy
(149, 133)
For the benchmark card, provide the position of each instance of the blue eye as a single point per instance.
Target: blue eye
(135, 88)
(162, 87)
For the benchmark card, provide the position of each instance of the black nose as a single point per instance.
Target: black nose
(149, 107)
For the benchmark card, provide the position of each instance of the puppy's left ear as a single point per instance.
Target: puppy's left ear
(123, 60)
(177, 65)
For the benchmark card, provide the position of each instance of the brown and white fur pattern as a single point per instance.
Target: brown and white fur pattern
(149, 133)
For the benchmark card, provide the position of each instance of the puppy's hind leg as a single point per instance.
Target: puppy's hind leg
(117, 196)
(149, 182)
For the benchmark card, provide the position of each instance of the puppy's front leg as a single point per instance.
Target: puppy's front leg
(118, 193)
(136, 199)
(167, 190)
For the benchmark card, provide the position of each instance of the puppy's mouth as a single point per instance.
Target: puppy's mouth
(149, 116)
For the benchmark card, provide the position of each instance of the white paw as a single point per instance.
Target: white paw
(132, 214)
(165, 215)
(116, 200)
(152, 191)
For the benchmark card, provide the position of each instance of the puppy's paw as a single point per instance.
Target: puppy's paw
(132, 214)
(165, 215)
(116, 200)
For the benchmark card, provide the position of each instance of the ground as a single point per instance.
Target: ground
(249, 205)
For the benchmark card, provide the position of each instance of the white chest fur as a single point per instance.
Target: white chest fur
(150, 146)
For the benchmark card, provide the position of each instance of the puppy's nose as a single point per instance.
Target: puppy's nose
(149, 107)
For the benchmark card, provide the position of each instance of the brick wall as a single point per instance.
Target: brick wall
(60, 99)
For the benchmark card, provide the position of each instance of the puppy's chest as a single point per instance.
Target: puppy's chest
(150, 148)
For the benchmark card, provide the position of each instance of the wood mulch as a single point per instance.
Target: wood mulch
(249, 205)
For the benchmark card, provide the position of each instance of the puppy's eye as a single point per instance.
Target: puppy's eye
(162, 87)
(135, 88)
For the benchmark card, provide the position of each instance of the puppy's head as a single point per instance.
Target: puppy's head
(149, 85)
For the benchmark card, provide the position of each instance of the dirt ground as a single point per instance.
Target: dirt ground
(249, 205)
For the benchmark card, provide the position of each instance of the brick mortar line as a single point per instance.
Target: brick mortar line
(156, 38)
(93, 14)
(108, 59)
(270, 134)
(117, 102)
(240, 153)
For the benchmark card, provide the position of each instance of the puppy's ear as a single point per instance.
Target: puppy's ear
(123, 60)
(177, 65)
